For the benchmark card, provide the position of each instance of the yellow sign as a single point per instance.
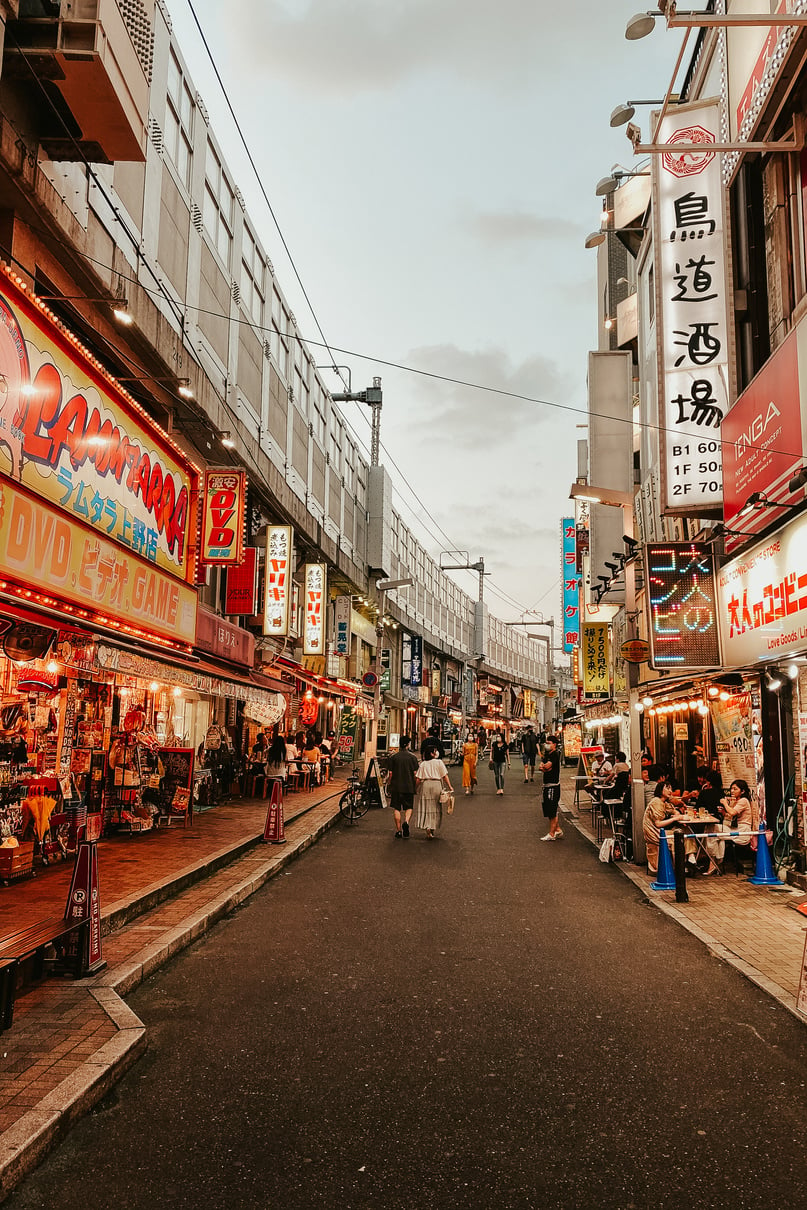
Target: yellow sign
(71, 438)
(49, 553)
(596, 681)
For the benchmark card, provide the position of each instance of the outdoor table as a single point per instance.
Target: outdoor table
(692, 819)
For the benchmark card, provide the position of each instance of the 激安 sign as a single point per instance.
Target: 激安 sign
(277, 580)
(682, 625)
(314, 608)
(693, 328)
(224, 502)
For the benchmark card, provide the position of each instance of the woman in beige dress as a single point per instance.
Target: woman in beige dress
(431, 778)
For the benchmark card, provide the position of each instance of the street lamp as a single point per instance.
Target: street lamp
(382, 588)
(624, 500)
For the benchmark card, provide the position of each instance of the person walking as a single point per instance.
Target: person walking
(402, 767)
(432, 740)
(499, 757)
(432, 777)
(550, 767)
(470, 755)
(528, 743)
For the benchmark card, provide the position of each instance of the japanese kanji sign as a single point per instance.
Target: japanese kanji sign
(316, 595)
(595, 654)
(762, 598)
(224, 502)
(570, 582)
(277, 580)
(55, 555)
(693, 329)
(342, 609)
(69, 436)
(683, 626)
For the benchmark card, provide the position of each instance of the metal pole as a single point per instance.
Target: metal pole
(634, 722)
(379, 647)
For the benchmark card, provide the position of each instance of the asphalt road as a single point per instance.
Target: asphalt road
(478, 1021)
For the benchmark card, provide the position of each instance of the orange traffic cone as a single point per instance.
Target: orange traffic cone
(274, 831)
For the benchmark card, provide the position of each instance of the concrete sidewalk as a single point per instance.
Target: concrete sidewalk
(755, 929)
(71, 1041)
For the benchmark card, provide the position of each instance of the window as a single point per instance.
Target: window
(336, 448)
(253, 277)
(350, 466)
(219, 203)
(179, 122)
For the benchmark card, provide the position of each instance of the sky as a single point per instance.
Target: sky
(431, 165)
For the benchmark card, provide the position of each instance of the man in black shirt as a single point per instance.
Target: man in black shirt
(550, 767)
(528, 743)
(433, 743)
(402, 767)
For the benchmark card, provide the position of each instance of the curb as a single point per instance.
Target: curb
(25, 1144)
(715, 947)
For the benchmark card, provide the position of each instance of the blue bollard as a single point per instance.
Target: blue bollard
(665, 879)
(764, 874)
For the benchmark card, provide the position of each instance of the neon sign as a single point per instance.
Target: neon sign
(683, 623)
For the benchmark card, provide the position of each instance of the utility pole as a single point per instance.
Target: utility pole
(374, 398)
(382, 587)
(479, 567)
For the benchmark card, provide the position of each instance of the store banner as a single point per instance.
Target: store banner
(384, 677)
(692, 325)
(241, 586)
(278, 571)
(222, 638)
(224, 510)
(682, 605)
(342, 609)
(762, 598)
(315, 598)
(763, 440)
(406, 659)
(73, 438)
(596, 681)
(571, 584)
(732, 721)
(348, 731)
(416, 662)
(54, 556)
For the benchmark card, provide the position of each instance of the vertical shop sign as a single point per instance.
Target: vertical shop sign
(693, 341)
(242, 586)
(596, 682)
(571, 584)
(277, 580)
(803, 763)
(734, 739)
(346, 740)
(406, 659)
(342, 608)
(681, 596)
(315, 597)
(224, 504)
(67, 728)
(416, 663)
(385, 670)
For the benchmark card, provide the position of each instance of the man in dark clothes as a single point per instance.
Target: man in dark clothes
(550, 767)
(402, 767)
(528, 743)
(433, 743)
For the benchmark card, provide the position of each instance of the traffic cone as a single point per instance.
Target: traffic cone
(665, 878)
(764, 874)
(274, 831)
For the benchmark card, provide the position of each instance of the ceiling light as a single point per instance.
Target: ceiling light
(185, 389)
(52, 666)
(792, 671)
(122, 313)
(227, 440)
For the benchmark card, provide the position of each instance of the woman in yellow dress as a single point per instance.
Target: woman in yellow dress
(470, 753)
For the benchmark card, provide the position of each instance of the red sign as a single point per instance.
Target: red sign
(224, 503)
(84, 901)
(222, 638)
(241, 594)
(762, 441)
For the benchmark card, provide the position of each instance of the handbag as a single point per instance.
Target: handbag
(490, 764)
(447, 800)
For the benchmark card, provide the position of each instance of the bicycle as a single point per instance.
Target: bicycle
(355, 801)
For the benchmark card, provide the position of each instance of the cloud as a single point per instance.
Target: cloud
(518, 227)
(469, 417)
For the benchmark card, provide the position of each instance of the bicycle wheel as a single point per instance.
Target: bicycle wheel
(350, 804)
(362, 802)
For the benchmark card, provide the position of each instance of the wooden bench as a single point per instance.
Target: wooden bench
(29, 945)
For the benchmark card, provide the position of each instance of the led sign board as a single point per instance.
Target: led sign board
(683, 622)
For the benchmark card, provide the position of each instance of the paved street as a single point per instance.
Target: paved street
(481, 1020)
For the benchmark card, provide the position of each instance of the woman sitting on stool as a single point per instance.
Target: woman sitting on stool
(738, 827)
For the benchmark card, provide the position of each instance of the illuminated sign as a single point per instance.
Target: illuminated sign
(316, 587)
(343, 607)
(224, 503)
(71, 436)
(596, 679)
(277, 580)
(693, 338)
(571, 584)
(683, 623)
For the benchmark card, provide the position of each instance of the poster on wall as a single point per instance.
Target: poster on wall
(692, 324)
(596, 679)
(224, 505)
(277, 580)
(315, 597)
(732, 721)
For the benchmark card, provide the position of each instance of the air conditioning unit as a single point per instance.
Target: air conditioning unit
(92, 59)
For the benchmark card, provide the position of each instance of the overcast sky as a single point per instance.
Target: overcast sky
(432, 165)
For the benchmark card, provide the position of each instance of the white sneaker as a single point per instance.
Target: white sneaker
(558, 834)
(548, 836)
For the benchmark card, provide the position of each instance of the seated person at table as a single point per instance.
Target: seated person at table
(738, 825)
(660, 813)
(602, 774)
(312, 756)
(711, 791)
